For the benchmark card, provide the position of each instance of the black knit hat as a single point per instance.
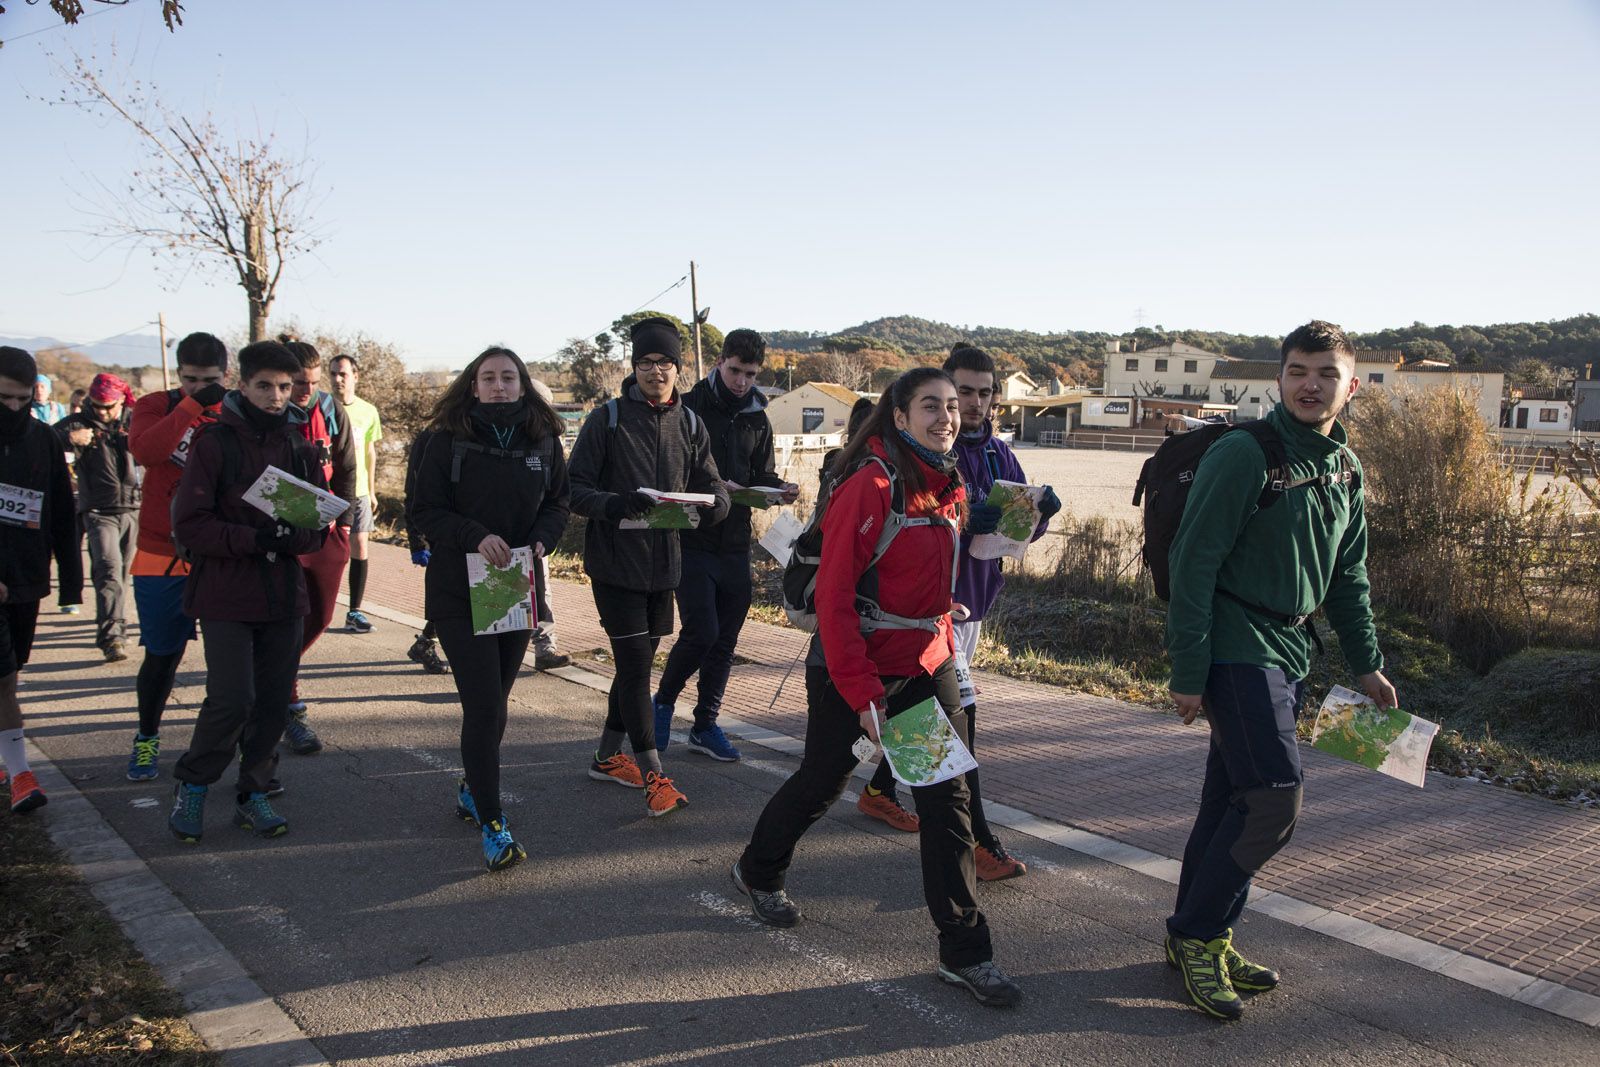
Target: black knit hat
(656, 337)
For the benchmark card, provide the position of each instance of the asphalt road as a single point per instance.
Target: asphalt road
(621, 940)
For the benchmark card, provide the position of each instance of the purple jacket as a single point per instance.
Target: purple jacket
(979, 581)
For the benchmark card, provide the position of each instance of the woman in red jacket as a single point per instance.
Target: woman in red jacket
(850, 675)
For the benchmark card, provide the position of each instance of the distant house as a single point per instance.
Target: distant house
(1249, 385)
(815, 407)
(1540, 409)
(1017, 385)
(1586, 402)
(1175, 370)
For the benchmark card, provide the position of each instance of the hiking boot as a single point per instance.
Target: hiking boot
(663, 725)
(1246, 977)
(142, 764)
(774, 909)
(711, 741)
(886, 806)
(255, 813)
(1205, 974)
(499, 849)
(303, 740)
(26, 794)
(619, 768)
(661, 797)
(115, 652)
(466, 807)
(188, 812)
(424, 651)
(986, 982)
(995, 864)
(357, 623)
(548, 659)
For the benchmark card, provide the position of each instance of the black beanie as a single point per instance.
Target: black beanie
(656, 337)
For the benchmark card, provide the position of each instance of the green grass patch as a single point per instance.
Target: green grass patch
(73, 989)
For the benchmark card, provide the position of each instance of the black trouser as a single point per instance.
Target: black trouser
(635, 622)
(250, 668)
(948, 871)
(484, 668)
(713, 599)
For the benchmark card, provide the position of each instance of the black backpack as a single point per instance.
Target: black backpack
(232, 462)
(800, 573)
(1166, 478)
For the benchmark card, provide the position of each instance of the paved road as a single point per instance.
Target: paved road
(621, 941)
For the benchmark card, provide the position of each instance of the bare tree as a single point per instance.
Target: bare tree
(72, 10)
(853, 370)
(236, 204)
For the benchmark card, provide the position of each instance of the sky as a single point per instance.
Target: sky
(523, 173)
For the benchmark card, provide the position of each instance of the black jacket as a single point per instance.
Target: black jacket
(521, 498)
(415, 542)
(741, 443)
(33, 459)
(650, 448)
(107, 478)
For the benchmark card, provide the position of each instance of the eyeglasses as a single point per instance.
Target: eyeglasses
(659, 365)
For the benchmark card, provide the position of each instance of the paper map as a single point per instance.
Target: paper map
(294, 502)
(673, 511)
(759, 497)
(1387, 740)
(502, 597)
(780, 537)
(922, 747)
(1019, 517)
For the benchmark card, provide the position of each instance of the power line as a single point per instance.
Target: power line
(63, 25)
(641, 307)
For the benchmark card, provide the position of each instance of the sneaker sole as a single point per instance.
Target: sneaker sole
(1239, 986)
(602, 776)
(917, 828)
(139, 776)
(704, 751)
(305, 750)
(187, 839)
(246, 824)
(29, 803)
(1006, 877)
(738, 883)
(683, 802)
(952, 978)
(514, 857)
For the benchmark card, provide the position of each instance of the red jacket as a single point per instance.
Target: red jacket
(913, 580)
(164, 424)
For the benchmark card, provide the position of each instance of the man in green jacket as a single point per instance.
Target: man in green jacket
(1249, 562)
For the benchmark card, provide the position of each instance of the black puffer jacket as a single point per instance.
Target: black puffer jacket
(660, 448)
(520, 498)
(741, 443)
(107, 480)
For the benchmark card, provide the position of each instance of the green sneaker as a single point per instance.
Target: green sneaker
(1246, 977)
(1205, 974)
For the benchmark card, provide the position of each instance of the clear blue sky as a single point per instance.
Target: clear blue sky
(522, 172)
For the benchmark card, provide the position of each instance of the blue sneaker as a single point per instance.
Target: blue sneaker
(499, 850)
(255, 813)
(466, 807)
(303, 740)
(188, 812)
(357, 622)
(663, 725)
(711, 741)
(142, 764)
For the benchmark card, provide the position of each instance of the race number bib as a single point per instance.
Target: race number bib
(969, 692)
(180, 455)
(20, 507)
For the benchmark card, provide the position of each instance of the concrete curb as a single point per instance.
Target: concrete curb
(230, 1012)
(1491, 977)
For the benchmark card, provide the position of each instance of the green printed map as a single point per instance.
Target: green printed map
(500, 596)
(1019, 515)
(293, 505)
(922, 747)
(1387, 740)
(752, 498)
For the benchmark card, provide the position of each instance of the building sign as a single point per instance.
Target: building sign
(810, 419)
(1116, 407)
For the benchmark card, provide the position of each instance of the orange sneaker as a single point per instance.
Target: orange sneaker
(26, 794)
(996, 864)
(884, 806)
(619, 768)
(661, 796)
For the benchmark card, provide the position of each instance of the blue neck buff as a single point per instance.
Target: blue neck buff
(939, 461)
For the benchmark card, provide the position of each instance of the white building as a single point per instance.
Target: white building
(1540, 409)
(1175, 370)
(1249, 385)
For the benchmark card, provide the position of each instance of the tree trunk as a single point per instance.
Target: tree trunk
(258, 321)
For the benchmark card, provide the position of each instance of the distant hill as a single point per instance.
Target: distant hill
(1565, 343)
(132, 349)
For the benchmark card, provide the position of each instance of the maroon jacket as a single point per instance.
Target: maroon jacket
(232, 580)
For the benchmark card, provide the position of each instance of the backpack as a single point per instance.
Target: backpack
(800, 573)
(232, 463)
(613, 414)
(1165, 481)
(538, 458)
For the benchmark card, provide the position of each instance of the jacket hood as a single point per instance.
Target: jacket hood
(232, 413)
(978, 439)
(753, 403)
(630, 390)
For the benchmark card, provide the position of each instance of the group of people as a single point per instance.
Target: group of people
(899, 598)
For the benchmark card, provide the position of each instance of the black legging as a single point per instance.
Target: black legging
(153, 687)
(485, 668)
(628, 707)
(980, 823)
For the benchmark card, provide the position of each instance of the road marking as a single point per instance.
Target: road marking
(893, 992)
(144, 802)
(439, 763)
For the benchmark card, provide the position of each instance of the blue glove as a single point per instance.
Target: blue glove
(420, 557)
(1049, 504)
(983, 518)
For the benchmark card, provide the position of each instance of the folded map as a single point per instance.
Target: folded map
(294, 502)
(501, 597)
(1019, 517)
(1388, 740)
(673, 511)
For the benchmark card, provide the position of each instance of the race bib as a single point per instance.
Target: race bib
(969, 692)
(20, 507)
(180, 455)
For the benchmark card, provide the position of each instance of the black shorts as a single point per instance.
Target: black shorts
(17, 624)
(630, 613)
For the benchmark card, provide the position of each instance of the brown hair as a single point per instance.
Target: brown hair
(452, 413)
(1314, 337)
(879, 426)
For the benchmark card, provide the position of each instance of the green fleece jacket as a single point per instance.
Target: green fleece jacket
(1307, 549)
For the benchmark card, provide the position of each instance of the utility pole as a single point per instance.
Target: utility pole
(161, 321)
(694, 304)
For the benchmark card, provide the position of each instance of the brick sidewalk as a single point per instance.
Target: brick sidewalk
(1509, 878)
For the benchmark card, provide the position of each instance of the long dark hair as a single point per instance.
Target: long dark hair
(880, 426)
(452, 413)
